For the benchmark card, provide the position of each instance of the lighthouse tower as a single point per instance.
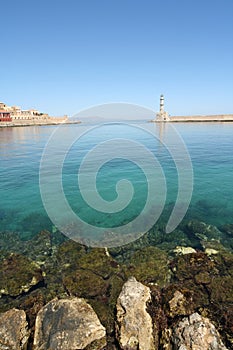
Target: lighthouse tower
(162, 116)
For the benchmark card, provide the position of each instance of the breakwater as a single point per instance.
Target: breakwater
(202, 118)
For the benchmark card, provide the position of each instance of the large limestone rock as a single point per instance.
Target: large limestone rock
(193, 333)
(13, 330)
(68, 324)
(134, 326)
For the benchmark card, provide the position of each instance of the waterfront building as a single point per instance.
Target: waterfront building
(16, 114)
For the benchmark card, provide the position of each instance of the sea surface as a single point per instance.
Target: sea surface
(209, 145)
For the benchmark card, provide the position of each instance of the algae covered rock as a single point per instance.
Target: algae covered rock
(188, 265)
(149, 265)
(97, 277)
(85, 284)
(68, 324)
(191, 273)
(14, 332)
(134, 324)
(98, 260)
(91, 273)
(18, 274)
(69, 253)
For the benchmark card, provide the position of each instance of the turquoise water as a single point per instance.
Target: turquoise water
(210, 146)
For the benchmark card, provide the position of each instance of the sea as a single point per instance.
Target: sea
(126, 175)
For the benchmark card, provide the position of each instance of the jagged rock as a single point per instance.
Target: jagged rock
(18, 274)
(210, 251)
(68, 324)
(193, 333)
(179, 304)
(184, 250)
(134, 326)
(14, 332)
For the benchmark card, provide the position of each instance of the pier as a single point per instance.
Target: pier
(163, 116)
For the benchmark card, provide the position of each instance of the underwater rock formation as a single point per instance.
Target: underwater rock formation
(187, 271)
(14, 332)
(202, 230)
(134, 324)
(68, 324)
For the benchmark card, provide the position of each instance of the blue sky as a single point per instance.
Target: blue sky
(63, 56)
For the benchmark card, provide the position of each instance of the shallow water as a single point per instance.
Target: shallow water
(210, 146)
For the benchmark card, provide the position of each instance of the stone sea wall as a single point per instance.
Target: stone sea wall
(203, 118)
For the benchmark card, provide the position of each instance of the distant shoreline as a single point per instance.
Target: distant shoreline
(221, 118)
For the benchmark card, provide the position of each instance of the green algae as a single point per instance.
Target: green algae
(84, 284)
(69, 254)
(149, 265)
(18, 274)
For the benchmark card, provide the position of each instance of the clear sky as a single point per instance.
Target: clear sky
(60, 56)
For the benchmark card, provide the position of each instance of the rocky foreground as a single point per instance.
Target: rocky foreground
(57, 294)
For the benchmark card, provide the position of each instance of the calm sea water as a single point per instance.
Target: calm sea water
(210, 146)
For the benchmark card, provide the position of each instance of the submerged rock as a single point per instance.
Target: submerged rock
(14, 332)
(193, 333)
(150, 266)
(10, 242)
(210, 251)
(180, 250)
(39, 248)
(228, 229)
(203, 231)
(134, 324)
(18, 275)
(68, 324)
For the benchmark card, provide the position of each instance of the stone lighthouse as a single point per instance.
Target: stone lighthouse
(162, 116)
